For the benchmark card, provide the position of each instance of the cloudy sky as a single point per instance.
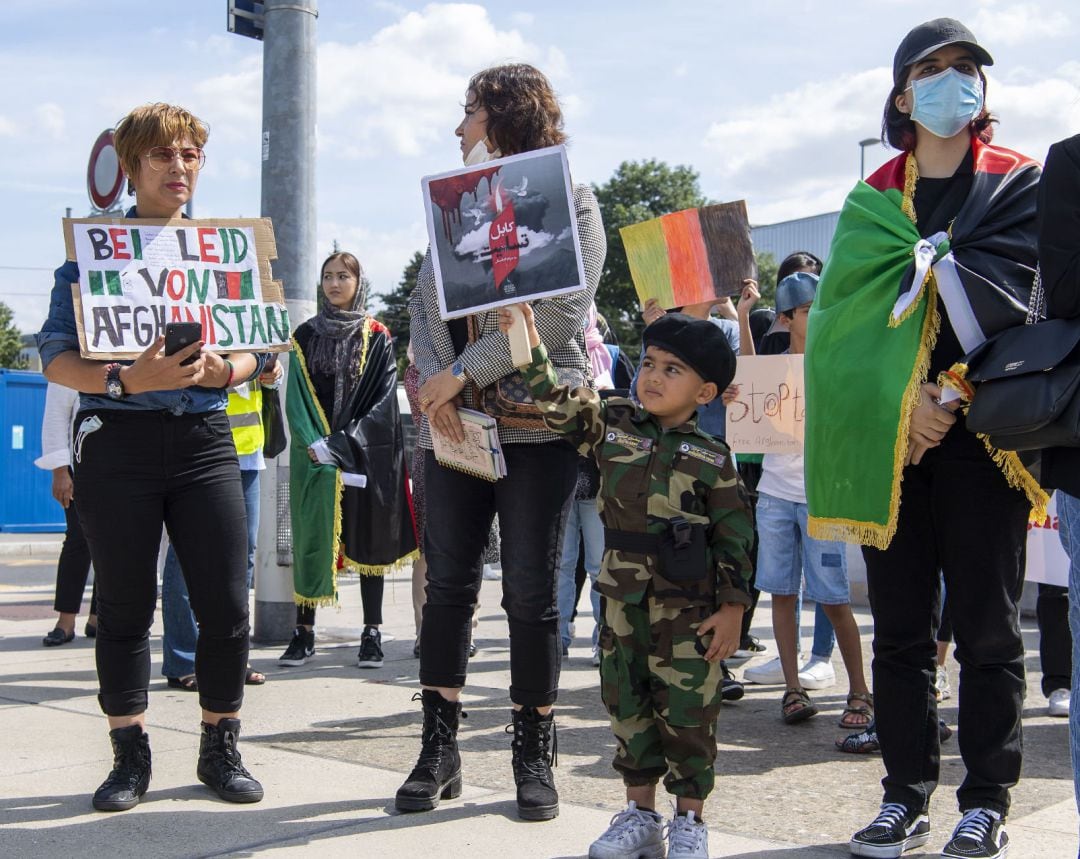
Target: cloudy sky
(767, 100)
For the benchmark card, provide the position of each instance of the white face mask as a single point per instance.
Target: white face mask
(479, 154)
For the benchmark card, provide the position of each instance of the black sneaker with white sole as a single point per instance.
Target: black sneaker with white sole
(370, 655)
(894, 830)
(300, 649)
(730, 688)
(980, 834)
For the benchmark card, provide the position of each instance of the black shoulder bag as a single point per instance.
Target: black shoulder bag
(1027, 382)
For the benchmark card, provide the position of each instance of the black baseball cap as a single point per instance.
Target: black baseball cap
(928, 37)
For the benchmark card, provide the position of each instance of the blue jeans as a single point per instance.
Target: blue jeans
(824, 636)
(181, 633)
(584, 521)
(1069, 531)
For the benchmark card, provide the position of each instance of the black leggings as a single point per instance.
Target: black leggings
(138, 471)
(73, 567)
(371, 596)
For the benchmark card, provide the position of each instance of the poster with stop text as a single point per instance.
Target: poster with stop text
(768, 414)
(503, 232)
(138, 274)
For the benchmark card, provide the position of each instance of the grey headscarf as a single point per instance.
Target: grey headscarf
(337, 344)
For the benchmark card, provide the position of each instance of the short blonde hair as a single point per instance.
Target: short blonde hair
(151, 125)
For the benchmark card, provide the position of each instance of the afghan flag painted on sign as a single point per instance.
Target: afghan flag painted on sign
(875, 321)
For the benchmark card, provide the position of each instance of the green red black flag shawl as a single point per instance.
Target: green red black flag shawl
(875, 321)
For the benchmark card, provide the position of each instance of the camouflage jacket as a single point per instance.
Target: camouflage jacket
(647, 476)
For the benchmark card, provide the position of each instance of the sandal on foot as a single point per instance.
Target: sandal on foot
(796, 706)
(859, 712)
(863, 743)
(188, 683)
(253, 677)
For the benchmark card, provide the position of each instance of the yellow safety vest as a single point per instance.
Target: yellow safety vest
(245, 418)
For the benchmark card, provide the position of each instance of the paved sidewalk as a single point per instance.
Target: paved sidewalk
(331, 743)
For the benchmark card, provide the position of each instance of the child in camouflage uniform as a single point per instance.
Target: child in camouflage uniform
(674, 580)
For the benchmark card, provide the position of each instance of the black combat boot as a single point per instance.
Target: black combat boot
(130, 776)
(437, 774)
(220, 767)
(535, 751)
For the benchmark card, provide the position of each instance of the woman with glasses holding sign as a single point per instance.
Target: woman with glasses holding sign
(153, 447)
(508, 110)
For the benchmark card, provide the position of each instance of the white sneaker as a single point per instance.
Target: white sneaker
(817, 673)
(596, 659)
(633, 833)
(767, 674)
(491, 573)
(1059, 702)
(687, 838)
(571, 630)
(942, 689)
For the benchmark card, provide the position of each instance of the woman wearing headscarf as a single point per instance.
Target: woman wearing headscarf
(348, 492)
(934, 253)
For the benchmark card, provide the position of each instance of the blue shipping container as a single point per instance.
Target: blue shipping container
(26, 502)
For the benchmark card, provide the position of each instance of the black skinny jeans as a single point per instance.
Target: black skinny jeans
(532, 505)
(1055, 638)
(140, 470)
(958, 516)
(371, 598)
(73, 567)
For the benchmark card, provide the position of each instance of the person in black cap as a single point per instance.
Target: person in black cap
(675, 573)
(908, 496)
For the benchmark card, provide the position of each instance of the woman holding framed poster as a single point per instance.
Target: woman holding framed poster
(509, 110)
(153, 447)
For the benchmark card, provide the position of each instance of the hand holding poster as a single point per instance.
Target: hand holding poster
(136, 275)
(692, 256)
(503, 232)
(769, 412)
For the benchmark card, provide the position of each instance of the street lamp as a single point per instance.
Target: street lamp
(870, 141)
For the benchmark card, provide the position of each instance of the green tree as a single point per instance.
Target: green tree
(395, 310)
(10, 341)
(767, 266)
(638, 191)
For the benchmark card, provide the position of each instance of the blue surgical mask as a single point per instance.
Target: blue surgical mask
(946, 103)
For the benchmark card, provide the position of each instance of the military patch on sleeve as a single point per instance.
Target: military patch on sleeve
(703, 454)
(626, 439)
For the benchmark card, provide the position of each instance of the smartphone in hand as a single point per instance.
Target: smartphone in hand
(179, 335)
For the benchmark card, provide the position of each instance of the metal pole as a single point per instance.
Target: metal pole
(288, 198)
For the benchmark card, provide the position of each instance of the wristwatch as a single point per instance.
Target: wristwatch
(457, 370)
(113, 386)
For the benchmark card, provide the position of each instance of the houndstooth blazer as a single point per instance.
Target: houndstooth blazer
(560, 322)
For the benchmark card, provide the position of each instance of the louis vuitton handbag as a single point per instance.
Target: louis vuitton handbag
(508, 399)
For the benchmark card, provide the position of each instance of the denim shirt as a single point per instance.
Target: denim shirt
(712, 417)
(59, 335)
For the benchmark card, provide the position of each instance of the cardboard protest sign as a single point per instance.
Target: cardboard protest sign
(691, 256)
(503, 232)
(136, 275)
(1047, 561)
(769, 414)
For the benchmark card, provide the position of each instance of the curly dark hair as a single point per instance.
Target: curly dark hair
(898, 129)
(523, 112)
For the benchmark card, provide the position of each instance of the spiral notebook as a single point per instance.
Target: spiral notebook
(480, 455)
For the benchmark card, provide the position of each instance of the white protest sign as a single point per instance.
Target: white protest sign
(769, 413)
(1046, 558)
(136, 275)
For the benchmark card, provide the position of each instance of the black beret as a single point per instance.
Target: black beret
(698, 342)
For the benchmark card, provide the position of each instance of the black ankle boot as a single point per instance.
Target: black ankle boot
(130, 776)
(437, 774)
(220, 767)
(534, 749)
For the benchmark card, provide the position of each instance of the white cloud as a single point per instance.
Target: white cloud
(1015, 23)
(402, 89)
(842, 109)
(50, 117)
(7, 127)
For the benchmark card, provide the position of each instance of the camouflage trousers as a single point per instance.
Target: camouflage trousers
(662, 696)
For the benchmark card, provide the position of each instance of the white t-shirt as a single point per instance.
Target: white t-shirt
(782, 476)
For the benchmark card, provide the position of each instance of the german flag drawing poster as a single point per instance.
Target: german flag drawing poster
(691, 256)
